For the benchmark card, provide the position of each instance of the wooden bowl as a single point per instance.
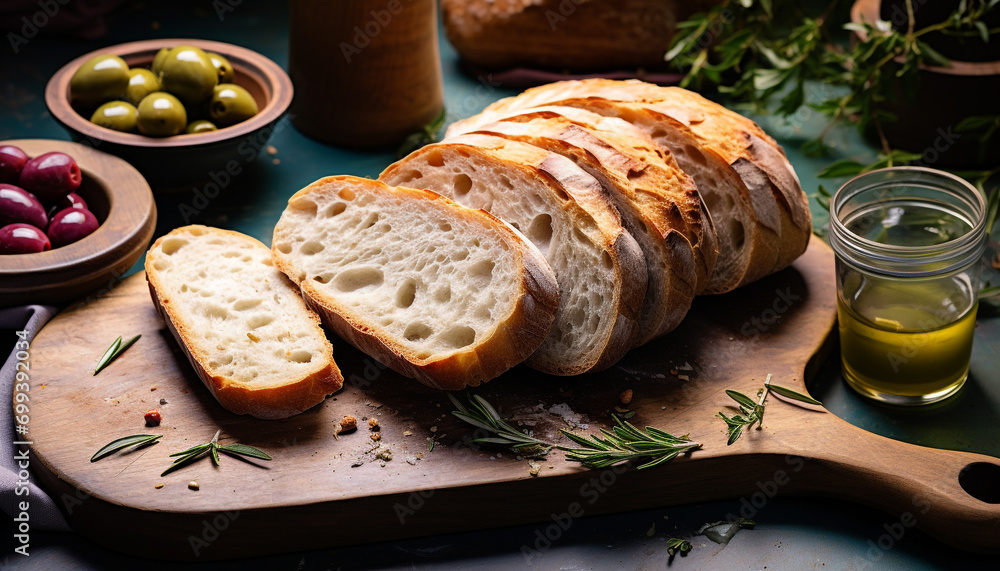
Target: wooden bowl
(182, 159)
(122, 202)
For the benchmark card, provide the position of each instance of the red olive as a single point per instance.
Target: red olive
(51, 176)
(12, 160)
(70, 225)
(23, 239)
(19, 205)
(72, 200)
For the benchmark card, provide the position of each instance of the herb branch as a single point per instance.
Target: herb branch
(481, 414)
(752, 412)
(212, 448)
(625, 442)
(675, 546)
(114, 351)
(137, 440)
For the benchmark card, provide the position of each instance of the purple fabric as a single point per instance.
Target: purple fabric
(42, 510)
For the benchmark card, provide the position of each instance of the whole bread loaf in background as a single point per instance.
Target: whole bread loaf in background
(572, 35)
(445, 294)
(249, 336)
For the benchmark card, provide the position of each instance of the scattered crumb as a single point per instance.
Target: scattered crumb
(375, 436)
(626, 396)
(384, 455)
(674, 371)
(43, 385)
(151, 389)
(571, 418)
(684, 377)
(193, 485)
(651, 531)
(373, 424)
(434, 429)
(663, 408)
(407, 433)
(411, 460)
(271, 150)
(621, 409)
(163, 401)
(348, 424)
(158, 486)
(534, 468)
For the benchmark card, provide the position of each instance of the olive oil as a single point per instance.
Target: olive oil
(907, 345)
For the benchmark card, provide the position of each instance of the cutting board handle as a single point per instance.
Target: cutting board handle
(953, 496)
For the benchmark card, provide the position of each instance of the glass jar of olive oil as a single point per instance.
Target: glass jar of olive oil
(909, 241)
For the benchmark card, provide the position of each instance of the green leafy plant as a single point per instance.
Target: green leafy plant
(752, 412)
(212, 448)
(676, 545)
(477, 412)
(625, 442)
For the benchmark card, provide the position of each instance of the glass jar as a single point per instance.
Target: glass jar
(908, 241)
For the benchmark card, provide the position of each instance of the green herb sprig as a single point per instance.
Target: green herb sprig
(212, 448)
(137, 440)
(752, 412)
(114, 351)
(480, 413)
(625, 442)
(676, 545)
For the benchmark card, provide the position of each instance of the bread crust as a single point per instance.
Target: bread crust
(589, 201)
(273, 402)
(510, 342)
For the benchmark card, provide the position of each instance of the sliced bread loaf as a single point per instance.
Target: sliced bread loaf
(249, 336)
(448, 295)
(565, 212)
(659, 204)
(739, 169)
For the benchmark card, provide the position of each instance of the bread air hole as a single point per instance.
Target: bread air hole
(406, 293)
(607, 261)
(434, 158)
(540, 231)
(257, 321)
(458, 336)
(347, 194)
(161, 265)
(444, 226)
(506, 183)
(417, 331)
(171, 245)
(311, 248)
(736, 233)
(355, 279)
(408, 176)
(300, 356)
(335, 209)
(695, 154)
(369, 221)
(463, 184)
(216, 311)
(303, 206)
(245, 304)
(442, 294)
(482, 269)
(284, 248)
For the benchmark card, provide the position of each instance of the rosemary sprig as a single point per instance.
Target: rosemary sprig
(480, 413)
(625, 442)
(752, 412)
(185, 457)
(114, 351)
(137, 440)
(675, 546)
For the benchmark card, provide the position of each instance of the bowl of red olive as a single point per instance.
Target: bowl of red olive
(178, 110)
(73, 220)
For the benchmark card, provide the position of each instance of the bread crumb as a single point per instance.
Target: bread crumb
(348, 423)
(271, 150)
(626, 396)
(151, 389)
(375, 436)
(534, 468)
(434, 429)
(163, 401)
(674, 371)
(684, 377)
(193, 485)
(158, 486)
(407, 433)
(373, 424)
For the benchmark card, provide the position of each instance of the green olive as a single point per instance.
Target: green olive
(161, 115)
(189, 74)
(231, 104)
(97, 80)
(116, 115)
(222, 66)
(141, 83)
(158, 60)
(200, 126)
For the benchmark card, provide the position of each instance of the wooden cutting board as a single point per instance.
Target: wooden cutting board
(320, 491)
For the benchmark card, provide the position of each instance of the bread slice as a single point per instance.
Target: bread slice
(249, 336)
(762, 215)
(448, 295)
(565, 212)
(659, 204)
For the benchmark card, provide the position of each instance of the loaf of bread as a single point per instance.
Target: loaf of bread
(659, 204)
(249, 336)
(448, 295)
(598, 265)
(574, 35)
(761, 214)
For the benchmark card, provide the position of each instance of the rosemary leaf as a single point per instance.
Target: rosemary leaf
(625, 442)
(191, 450)
(244, 450)
(789, 393)
(741, 398)
(481, 414)
(114, 351)
(215, 454)
(185, 460)
(136, 440)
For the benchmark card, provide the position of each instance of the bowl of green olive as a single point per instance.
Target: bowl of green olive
(178, 110)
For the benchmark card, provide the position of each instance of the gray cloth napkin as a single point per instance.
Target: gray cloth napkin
(43, 512)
